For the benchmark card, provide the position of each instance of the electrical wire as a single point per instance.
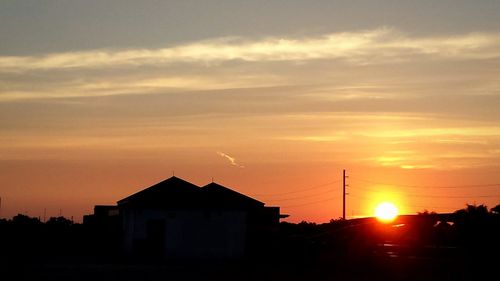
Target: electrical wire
(301, 197)
(298, 190)
(309, 203)
(426, 186)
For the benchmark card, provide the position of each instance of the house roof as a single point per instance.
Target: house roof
(220, 196)
(178, 193)
(171, 192)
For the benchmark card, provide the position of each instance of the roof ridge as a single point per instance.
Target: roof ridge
(158, 185)
(231, 190)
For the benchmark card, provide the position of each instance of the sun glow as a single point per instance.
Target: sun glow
(386, 212)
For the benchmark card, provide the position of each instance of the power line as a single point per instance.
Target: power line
(415, 206)
(437, 196)
(297, 190)
(430, 196)
(360, 196)
(447, 196)
(430, 207)
(315, 187)
(309, 203)
(367, 188)
(301, 197)
(429, 186)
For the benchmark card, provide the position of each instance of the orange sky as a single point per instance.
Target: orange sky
(275, 109)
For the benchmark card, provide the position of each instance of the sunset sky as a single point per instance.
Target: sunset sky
(100, 99)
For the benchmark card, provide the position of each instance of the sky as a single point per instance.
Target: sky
(100, 99)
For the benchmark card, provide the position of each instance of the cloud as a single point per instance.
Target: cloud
(362, 47)
(331, 67)
(231, 160)
(434, 132)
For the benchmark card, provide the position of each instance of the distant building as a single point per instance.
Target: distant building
(175, 218)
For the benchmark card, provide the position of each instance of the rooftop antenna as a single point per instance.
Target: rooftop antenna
(212, 179)
(173, 173)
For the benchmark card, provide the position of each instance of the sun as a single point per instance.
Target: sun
(386, 212)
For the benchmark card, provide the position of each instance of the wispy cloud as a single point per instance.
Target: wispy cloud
(238, 63)
(435, 132)
(231, 160)
(362, 47)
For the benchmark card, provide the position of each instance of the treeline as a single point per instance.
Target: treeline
(28, 239)
(468, 232)
(474, 229)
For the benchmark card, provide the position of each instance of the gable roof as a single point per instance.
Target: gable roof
(178, 193)
(218, 196)
(172, 192)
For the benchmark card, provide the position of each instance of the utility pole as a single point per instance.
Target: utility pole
(343, 194)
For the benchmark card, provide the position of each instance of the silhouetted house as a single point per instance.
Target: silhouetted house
(175, 218)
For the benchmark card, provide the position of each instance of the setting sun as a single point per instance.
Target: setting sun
(386, 212)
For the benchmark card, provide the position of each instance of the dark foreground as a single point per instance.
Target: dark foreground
(377, 268)
(460, 246)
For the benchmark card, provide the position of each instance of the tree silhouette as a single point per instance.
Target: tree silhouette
(59, 222)
(23, 220)
(496, 210)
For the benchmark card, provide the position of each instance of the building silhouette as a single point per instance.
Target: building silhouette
(177, 219)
